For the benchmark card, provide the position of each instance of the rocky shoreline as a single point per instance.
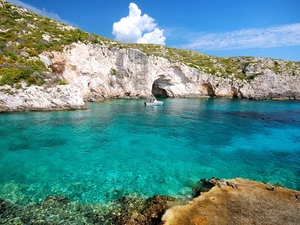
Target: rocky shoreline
(236, 201)
(130, 73)
(93, 72)
(39, 98)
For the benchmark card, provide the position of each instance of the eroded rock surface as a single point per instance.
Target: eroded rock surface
(102, 72)
(238, 201)
(62, 97)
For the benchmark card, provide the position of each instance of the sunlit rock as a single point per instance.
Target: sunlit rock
(238, 201)
(100, 71)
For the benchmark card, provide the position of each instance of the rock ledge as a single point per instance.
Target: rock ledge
(238, 201)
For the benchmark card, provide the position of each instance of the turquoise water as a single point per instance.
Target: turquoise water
(121, 147)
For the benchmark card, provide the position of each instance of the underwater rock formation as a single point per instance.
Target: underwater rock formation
(236, 201)
(60, 210)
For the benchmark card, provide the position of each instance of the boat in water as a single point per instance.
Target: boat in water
(154, 102)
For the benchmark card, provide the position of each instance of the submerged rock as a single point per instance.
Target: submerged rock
(56, 200)
(7, 211)
(5, 206)
(60, 210)
(235, 201)
(134, 211)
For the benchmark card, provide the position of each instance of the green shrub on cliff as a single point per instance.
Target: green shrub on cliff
(23, 72)
(62, 82)
(32, 80)
(15, 75)
(9, 76)
(11, 55)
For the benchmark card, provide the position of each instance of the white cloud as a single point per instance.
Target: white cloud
(135, 28)
(279, 36)
(42, 12)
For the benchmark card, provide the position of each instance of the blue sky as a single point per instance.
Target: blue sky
(266, 28)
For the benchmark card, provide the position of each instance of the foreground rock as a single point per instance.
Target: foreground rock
(38, 98)
(238, 201)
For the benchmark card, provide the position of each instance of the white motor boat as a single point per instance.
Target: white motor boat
(154, 102)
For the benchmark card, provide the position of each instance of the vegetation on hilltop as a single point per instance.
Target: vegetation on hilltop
(231, 67)
(24, 35)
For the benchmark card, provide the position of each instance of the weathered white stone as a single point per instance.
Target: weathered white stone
(46, 37)
(45, 60)
(121, 72)
(101, 72)
(61, 97)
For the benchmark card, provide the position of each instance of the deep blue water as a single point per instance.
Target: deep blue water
(121, 147)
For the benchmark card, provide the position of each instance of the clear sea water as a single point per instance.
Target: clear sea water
(121, 147)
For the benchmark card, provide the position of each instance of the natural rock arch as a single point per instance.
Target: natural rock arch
(207, 89)
(157, 91)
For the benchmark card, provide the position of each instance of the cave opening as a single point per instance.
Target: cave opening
(208, 90)
(157, 91)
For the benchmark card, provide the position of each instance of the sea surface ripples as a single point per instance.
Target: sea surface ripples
(121, 147)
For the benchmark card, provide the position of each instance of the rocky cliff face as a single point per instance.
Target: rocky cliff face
(101, 72)
(94, 72)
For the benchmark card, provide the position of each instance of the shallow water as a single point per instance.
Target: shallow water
(121, 147)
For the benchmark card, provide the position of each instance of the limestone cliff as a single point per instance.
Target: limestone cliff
(62, 97)
(103, 72)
